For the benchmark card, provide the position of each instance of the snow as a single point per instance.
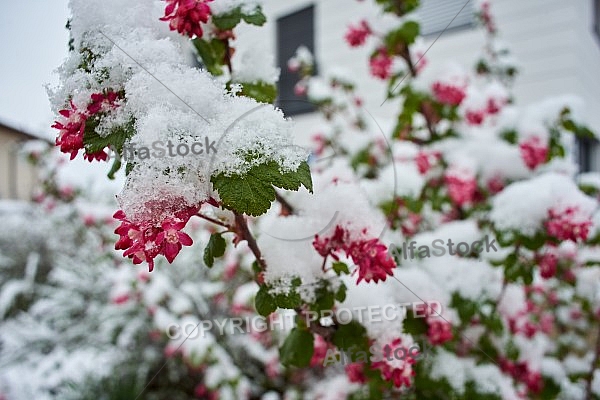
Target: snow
(255, 65)
(524, 205)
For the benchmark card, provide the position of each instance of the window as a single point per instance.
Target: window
(435, 15)
(596, 12)
(293, 30)
(586, 153)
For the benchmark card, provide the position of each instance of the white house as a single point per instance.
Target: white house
(556, 44)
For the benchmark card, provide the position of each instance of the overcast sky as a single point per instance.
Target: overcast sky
(33, 43)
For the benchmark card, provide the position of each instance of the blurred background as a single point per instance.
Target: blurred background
(554, 43)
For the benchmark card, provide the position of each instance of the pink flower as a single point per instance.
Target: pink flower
(327, 246)
(475, 117)
(145, 240)
(448, 94)
(548, 263)
(495, 105)
(399, 373)
(424, 160)
(173, 238)
(121, 299)
(72, 126)
(98, 156)
(102, 102)
(521, 372)
(373, 261)
(568, 223)
(439, 331)
(495, 185)
(202, 392)
(381, 65)
(534, 152)
(71, 129)
(357, 35)
(320, 351)
(486, 17)
(300, 89)
(184, 16)
(462, 187)
(355, 373)
(410, 226)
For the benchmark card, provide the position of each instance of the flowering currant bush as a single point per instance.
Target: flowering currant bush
(458, 160)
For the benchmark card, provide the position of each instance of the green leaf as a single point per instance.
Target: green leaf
(260, 91)
(402, 37)
(351, 334)
(341, 293)
(414, 326)
(466, 308)
(115, 167)
(340, 267)
(228, 21)
(399, 7)
(298, 348)
(212, 54)
(291, 300)
(253, 192)
(214, 249)
(257, 18)
(264, 302)
(325, 299)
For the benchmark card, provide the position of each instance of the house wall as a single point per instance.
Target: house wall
(17, 177)
(552, 40)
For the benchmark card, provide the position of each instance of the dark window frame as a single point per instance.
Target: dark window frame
(596, 14)
(468, 8)
(286, 45)
(585, 153)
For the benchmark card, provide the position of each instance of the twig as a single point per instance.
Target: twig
(244, 232)
(214, 221)
(287, 207)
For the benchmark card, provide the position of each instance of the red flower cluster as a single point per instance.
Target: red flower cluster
(568, 223)
(521, 372)
(146, 240)
(355, 373)
(320, 351)
(438, 331)
(533, 319)
(184, 16)
(399, 376)
(486, 17)
(495, 184)
(534, 152)
(424, 160)
(548, 263)
(381, 65)
(72, 127)
(448, 94)
(461, 189)
(475, 117)
(371, 257)
(410, 226)
(357, 35)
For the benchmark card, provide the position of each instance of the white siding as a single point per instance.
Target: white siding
(553, 41)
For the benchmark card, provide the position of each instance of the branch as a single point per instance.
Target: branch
(244, 232)
(287, 208)
(214, 221)
(315, 327)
